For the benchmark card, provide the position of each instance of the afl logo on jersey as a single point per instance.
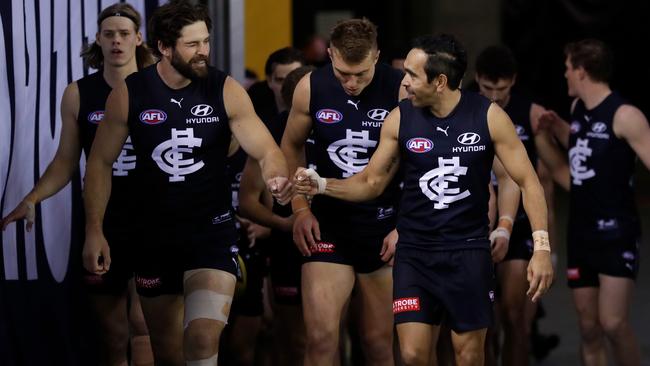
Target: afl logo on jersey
(469, 138)
(419, 145)
(329, 116)
(153, 117)
(201, 110)
(96, 117)
(575, 127)
(377, 114)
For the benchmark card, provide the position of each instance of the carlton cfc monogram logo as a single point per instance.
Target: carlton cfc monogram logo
(577, 158)
(169, 155)
(345, 152)
(124, 162)
(435, 183)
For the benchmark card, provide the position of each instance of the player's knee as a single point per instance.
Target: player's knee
(590, 329)
(116, 339)
(613, 326)
(469, 357)
(202, 338)
(413, 355)
(513, 316)
(378, 343)
(322, 340)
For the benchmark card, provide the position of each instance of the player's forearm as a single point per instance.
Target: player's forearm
(535, 204)
(508, 197)
(358, 188)
(554, 159)
(56, 176)
(561, 131)
(97, 190)
(294, 155)
(273, 164)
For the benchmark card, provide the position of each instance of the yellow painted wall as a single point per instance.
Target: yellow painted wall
(267, 28)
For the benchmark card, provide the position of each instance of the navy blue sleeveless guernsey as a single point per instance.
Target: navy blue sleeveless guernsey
(346, 133)
(602, 168)
(93, 92)
(518, 109)
(181, 137)
(447, 163)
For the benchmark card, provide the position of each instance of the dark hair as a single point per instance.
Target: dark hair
(92, 53)
(283, 56)
(496, 62)
(354, 39)
(168, 20)
(592, 55)
(290, 82)
(445, 55)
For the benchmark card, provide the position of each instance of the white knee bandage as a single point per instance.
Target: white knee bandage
(206, 304)
(212, 361)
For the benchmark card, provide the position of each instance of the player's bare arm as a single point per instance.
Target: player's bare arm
(507, 203)
(256, 140)
(371, 181)
(512, 153)
(109, 139)
(632, 125)
(60, 170)
(252, 204)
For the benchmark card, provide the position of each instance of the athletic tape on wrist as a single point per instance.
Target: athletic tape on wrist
(499, 233)
(322, 182)
(31, 212)
(541, 241)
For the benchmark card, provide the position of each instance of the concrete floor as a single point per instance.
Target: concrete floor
(561, 317)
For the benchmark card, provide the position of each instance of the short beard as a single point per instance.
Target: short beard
(186, 69)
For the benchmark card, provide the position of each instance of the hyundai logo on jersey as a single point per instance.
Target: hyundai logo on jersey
(153, 116)
(329, 116)
(469, 138)
(201, 110)
(96, 117)
(599, 127)
(419, 145)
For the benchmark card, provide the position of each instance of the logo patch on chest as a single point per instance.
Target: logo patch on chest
(419, 145)
(153, 117)
(96, 117)
(329, 116)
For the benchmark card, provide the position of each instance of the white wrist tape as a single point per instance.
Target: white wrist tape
(507, 218)
(499, 233)
(31, 212)
(322, 182)
(541, 241)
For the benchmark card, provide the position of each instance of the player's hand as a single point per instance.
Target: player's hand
(308, 182)
(96, 253)
(499, 249)
(388, 247)
(540, 274)
(306, 231)
(25, 210)
(281, 189)
(548, 120)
